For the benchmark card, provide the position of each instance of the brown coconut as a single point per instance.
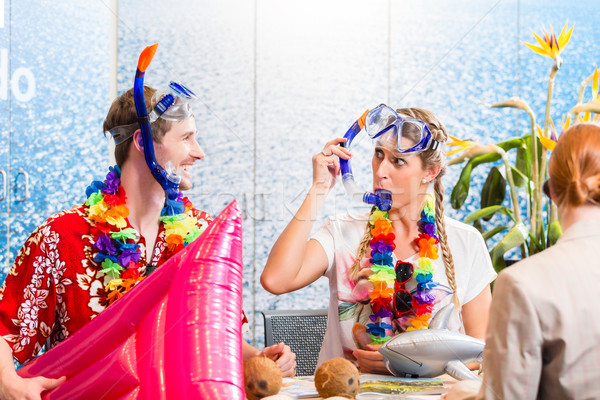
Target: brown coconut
(337, 377)
(262, 377)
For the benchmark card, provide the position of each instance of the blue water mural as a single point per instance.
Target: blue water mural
(276, 80)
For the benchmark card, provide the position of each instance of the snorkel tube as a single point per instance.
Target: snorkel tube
(169, 182)
(381, 198)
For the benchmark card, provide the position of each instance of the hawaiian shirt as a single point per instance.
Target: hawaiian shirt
(55, 287)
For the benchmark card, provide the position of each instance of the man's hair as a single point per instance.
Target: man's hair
(122, 112)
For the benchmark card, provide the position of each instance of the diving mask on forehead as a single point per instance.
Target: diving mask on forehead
(385, 126)
(411, 135)
(174, 103)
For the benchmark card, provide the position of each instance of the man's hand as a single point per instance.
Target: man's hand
(13, 387)
(283, 356)
(370, 360)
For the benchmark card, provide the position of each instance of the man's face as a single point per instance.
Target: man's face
(179, 146)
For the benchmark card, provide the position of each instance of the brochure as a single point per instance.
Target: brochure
(371, 387)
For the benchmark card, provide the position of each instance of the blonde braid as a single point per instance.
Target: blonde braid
(443, 239)
(362, 249)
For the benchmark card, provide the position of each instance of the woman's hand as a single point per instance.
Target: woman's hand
(370, 360)
(326, 164)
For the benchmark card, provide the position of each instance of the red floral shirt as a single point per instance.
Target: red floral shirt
(55, 287)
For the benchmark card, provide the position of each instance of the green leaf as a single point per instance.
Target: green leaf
(488, 211)
(461, 189)
(518, 178)
(511, 144)
(492, 232)
(515, 237)
(523, 162)
(460, 192)
(493, 191)
(477, 225)
(554, 232)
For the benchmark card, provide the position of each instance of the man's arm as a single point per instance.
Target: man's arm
(512, 359)
(13, 387)
(280, 353)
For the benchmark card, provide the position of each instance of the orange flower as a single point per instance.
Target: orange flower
(381, 290)
(382, 227)
(427, 246)
(113, 296)
(174, 242)
(419, 322)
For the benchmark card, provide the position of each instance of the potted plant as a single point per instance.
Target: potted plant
(523, 167)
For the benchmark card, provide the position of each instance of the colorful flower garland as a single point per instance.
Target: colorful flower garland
(383, 274)
(118, 253)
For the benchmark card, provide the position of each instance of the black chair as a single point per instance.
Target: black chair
(302, 330)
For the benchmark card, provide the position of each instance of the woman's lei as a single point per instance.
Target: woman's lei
(383, 274)
(118, 253)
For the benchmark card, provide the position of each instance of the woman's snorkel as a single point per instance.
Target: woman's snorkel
(381, 198)
(168, 181)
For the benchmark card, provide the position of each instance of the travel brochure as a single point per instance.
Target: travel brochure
(371, 387)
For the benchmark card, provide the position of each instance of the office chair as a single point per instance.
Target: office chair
(302, 330)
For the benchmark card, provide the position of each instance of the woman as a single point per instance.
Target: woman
(373, 296)
(543, 340)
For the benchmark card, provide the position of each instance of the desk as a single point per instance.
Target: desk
(304, 388)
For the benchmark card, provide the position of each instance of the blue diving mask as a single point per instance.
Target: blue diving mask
(400, 133)
(172, 104)
(410, 135)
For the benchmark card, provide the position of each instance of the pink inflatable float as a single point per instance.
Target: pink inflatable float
(177, 335)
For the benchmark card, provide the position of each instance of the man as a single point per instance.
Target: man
(81, 260)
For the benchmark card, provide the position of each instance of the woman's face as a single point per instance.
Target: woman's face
(402, 175)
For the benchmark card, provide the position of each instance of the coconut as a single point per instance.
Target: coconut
(262, 377)
(337, 377)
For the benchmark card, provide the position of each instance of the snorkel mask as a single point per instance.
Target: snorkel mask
(172, 104)
(383, 124)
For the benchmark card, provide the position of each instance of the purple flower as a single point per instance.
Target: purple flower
(428, 228)
(381, 313)
(127, 256)
(424, 297)
(105, 244)
(112, 181)
(381, 247)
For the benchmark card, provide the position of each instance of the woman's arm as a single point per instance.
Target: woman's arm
(294, 261)
(476, 314)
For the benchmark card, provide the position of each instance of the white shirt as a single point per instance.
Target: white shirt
(340, 237)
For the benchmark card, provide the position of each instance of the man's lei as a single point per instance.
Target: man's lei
(115, 246)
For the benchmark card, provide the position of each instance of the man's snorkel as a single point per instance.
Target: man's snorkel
(381, 198)
(168, 181)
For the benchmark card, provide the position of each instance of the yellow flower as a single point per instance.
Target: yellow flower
(550, 46)
(114, 284)
(376, 215)
(548, 143)
(461, 144)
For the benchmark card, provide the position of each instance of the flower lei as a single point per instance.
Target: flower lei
(383, 274)
(118, 253)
